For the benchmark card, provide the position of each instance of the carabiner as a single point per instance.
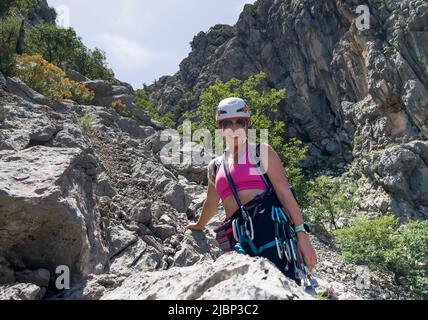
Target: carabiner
(287, 251)
(234, 229)
(282, 214)
(250, 233)
(279, 248)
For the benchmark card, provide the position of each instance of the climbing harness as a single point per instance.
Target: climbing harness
(285, 237)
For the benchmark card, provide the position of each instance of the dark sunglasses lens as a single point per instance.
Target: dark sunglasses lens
(226, 124)
(229, 123)
(241, 122)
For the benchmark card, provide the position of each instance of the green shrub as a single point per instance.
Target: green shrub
(369, 242)
(379, 244)
(120, 107)
(14, 7)
(142, 100)
(329, 202)
(85, 123)
(413, 241)
(49, 80)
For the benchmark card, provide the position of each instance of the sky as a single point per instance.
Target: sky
(144, 40)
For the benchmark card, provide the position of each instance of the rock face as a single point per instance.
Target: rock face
(86, 187)
(19, 88)
(47, 217)
(240, 276)
(324, 61)
(349, 91)
(106, 94)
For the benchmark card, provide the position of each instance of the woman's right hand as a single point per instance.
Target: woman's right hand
(195, 227)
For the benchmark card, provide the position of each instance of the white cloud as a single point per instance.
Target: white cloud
(128, 54)
(146, 39)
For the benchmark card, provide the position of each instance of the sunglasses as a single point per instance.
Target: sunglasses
(226, 124)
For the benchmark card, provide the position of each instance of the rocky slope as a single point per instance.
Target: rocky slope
(352, 96)
(103, 204)
(97, 199)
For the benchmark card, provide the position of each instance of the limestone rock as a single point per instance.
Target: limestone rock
(20, 291)
(231, 277)
(48, 217)
(18, 87)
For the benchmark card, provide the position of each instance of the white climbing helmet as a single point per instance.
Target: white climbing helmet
(232, 108)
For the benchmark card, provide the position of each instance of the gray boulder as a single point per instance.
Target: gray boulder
(141, 213)
(56, 222)
(106, 94)
(76, 76)
(231, 277)
(19, 88)
(23, 124)
(119, 239)
(164, 182)
(20, 291)
(133, 128)
(38, 277)
(403, 172)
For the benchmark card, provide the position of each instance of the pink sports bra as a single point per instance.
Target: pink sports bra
(241, 176)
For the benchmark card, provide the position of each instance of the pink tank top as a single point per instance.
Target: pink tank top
(241, 176)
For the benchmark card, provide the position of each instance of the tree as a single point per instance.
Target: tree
(9, 31)
(330, 201)
(64, 48)
(57, 45)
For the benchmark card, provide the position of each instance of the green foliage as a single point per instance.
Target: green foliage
(329, 202)
(263, 104)
(93, 64)
(379, 244)
(413, 240)
(9, 31)
(14, 7)
(382, 4)
(142, 100)
(388, 51)
(5, 6)
(369, 242)
(85, 123)
(62, 47)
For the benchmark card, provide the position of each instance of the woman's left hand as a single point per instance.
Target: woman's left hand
(306, 250)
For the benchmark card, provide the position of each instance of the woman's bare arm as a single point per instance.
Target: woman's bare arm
(210, 206)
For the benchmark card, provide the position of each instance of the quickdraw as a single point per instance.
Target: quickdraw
(286, 242)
